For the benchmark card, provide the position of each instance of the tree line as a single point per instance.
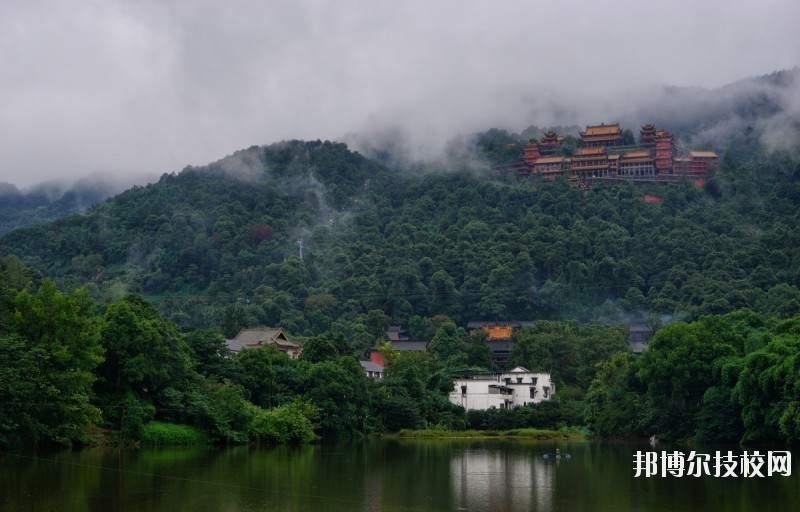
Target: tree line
(74, 371)
(217, 246)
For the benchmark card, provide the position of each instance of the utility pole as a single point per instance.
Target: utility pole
(300, 243)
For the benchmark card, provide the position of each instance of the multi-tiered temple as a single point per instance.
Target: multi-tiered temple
(602, 136)
(550, 143)
(603, 153)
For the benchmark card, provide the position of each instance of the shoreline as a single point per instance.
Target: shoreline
(520, 433)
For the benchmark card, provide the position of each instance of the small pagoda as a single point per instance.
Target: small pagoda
(550, 142)
(531, 153)
(665, 152)
(647, 137)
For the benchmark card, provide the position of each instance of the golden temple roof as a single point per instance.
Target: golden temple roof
(603, 129)
(703, 154)
(597, 150)
(549, 160)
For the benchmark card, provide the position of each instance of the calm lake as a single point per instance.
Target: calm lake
(381, 475)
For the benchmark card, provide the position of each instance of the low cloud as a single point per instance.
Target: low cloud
(152, 86)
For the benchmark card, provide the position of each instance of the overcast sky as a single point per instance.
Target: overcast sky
(150, 86)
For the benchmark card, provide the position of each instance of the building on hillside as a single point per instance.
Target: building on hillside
(701, 162)
(665, 152)
(636, 163)
(603, 152)
(550, 166)
(376, 356)
(502, 390)
(531, 153)
(497, 329)
(498, 337)
(550, 143)
(263, 336)
(680, 165)
(613, 164)
(647, 136)
(590, 162)
(373, 369)
(603, 135)
(697, 164)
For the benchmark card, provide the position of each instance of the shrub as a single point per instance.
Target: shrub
(156, 433)
(287, 424)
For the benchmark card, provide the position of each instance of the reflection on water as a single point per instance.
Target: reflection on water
(494, 479)
(376, 476)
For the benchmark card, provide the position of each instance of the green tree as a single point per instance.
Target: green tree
(548, 347)
(338, 389)
(210, 353)
(64, 332)
(146, 358)
(325, 347)
(291, 423)
(268, 375)
(678, 370)
(447, 348)
(613, 405)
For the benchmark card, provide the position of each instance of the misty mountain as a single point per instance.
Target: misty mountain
(767, 106)
(51, 200)
(314, 237)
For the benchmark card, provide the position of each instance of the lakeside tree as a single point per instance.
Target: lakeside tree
(50, 352)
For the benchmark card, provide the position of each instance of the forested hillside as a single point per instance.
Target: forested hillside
(219, 245)
(49, 201)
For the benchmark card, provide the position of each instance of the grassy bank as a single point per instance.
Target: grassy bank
(157, 433)
(518, 433)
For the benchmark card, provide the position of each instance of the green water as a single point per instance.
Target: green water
(384, 475)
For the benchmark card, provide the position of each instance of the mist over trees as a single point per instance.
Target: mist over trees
(218, 246)
(51, 200)
(116, 318)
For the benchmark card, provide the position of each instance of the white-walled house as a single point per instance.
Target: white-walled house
(504, 390)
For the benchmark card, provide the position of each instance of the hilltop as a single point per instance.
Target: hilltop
(52, 200)
(219, 245)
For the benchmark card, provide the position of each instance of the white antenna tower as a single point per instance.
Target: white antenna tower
(300, 243)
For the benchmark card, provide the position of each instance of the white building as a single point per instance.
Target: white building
(506, 390)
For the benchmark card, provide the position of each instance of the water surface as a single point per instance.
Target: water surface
(382, 475)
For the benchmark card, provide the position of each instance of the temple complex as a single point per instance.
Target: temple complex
(604, 135)
(602, 155)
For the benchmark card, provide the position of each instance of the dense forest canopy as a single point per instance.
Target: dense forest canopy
(50, 200)
(218, 246)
